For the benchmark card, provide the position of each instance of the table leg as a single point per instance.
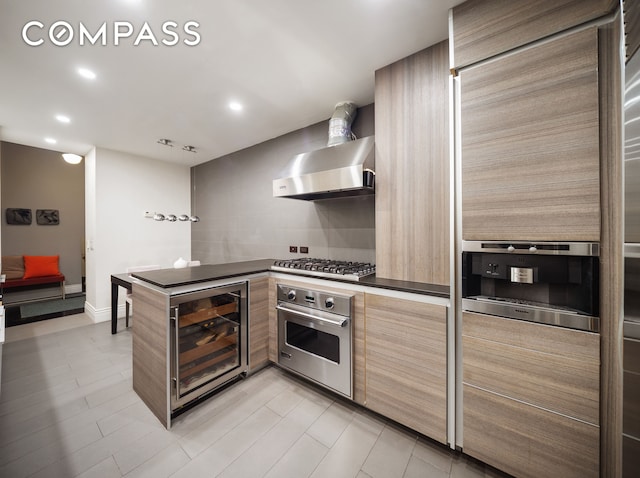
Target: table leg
(114, 307)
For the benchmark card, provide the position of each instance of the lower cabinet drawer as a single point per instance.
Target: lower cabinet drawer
(566, 385)
(527, 441)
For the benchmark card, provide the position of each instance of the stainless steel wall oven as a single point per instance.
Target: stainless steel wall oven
(314, 336)
(208, 341)
(555, 283)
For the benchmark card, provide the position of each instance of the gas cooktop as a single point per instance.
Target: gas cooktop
(325, 268)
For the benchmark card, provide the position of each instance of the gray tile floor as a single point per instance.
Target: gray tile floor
(67, 408)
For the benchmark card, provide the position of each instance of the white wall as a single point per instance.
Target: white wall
(119, 188)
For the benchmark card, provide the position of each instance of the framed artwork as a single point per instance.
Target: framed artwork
(47, 217)
(18, 216)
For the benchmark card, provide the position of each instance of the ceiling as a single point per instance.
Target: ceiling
(288, 62)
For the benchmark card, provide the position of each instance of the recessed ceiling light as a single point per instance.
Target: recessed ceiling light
(63, 119)
(88, 74)
(51, 140)
(235, 106)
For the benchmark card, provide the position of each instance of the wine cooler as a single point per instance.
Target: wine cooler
(208, 341)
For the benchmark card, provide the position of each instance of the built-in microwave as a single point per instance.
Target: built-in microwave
(555, 283)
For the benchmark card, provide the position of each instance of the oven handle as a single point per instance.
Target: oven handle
(337, 323)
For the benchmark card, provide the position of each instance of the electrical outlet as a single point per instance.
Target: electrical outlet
(304, 250)
(293, 248)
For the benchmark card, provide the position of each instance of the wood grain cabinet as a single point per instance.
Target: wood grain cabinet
(485, 28)
(150, 359)
(412, 168)
(258, 323)
(406, 363)
(530, 143)
(531, 397)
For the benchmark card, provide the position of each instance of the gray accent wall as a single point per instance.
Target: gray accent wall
(241, 220)
(35, 178)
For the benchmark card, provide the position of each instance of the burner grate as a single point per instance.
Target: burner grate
(326, 268)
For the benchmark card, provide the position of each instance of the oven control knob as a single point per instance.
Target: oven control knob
(291, 295)
(329, 303)
(511, 248)
(533, 249)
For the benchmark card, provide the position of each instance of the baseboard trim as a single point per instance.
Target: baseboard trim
(103, 314)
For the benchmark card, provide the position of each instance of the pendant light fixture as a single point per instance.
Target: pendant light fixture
(72, 158)
(172, 217)
(157, 216)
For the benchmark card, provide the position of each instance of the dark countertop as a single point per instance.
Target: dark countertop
(191, 275)
(206, 272)
(406, 286)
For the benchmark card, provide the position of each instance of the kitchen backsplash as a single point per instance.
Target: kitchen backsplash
(241, 220)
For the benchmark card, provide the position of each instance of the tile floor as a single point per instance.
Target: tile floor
(67, 408)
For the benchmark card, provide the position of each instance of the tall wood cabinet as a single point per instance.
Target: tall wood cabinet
(530, 143)
(412, 167)
(541, 149)
(406, 363)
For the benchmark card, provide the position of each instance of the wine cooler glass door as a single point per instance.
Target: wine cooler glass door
(207, 339)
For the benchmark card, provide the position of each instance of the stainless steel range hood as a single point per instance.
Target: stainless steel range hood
(344, 170)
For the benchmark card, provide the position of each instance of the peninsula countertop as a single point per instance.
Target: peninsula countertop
(166, 278)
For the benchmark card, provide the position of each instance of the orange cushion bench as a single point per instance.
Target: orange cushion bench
(29, 271)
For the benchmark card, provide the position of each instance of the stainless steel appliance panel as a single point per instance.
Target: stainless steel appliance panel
(631, 325)
(632, 195)
(632, 290)
(524, 247)
(631, 408)
(338, 171)
(531, 312)
(631, 362)
(554, 283)
(314, 337)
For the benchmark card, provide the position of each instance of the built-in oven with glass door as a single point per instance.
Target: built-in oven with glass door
(208, 341)
(314, 336)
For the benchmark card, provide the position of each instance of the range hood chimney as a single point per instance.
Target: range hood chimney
(343, 169)
(340, 123)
